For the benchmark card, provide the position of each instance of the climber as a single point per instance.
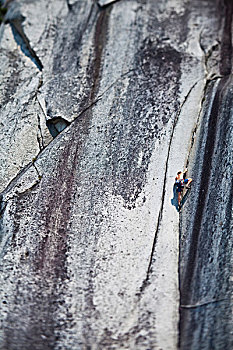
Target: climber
(180, 182)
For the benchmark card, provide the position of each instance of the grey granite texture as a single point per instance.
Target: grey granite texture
(94, 253)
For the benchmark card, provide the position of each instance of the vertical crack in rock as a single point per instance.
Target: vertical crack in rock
(225, 69)
(22, 40)
(149, 270)
(188, 281)
(205, 89)
(69, 5)
(40, 138)
(42, 109)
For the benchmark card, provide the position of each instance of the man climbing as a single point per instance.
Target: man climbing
(180, 182)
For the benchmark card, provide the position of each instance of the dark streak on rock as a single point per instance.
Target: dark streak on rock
(100, 38)
(68, 72)
(226, 45)
(63, 63)
(48, 261)
(13, 81)
(56, 216)
(157, 68)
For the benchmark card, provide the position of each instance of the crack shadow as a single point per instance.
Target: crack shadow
(174, 200)
(185, 197)
(22, 40)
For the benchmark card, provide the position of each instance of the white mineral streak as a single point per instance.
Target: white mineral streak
(105, 2)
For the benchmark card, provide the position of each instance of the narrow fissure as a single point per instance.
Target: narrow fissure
(149, 270)
(37, 171)
(22, 40)
(188, 279)
(40, 135)
(22, 171)
(194, 306)
(205, 89)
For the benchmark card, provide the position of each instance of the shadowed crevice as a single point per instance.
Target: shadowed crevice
(22, 40)
(191, 278)
(205, 177)
(56, 125)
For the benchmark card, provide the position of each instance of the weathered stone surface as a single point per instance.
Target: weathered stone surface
(89, 225)
(206, 222)
(206, 226)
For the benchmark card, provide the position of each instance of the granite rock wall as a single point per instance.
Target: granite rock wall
(94, 253)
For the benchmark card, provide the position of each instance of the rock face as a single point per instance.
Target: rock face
(94, 254)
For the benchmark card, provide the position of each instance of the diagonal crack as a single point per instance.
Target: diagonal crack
(27, 166)
(16, 178)
(194, 306)
(22, 40)
(99, 97)
(149, 269)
